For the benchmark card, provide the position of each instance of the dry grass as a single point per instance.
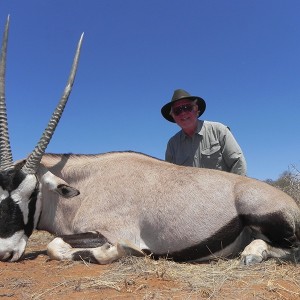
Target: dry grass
(216, 280)
(144, 278)
(196, 278)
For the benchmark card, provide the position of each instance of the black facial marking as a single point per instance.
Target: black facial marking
(85, 240)
(31, 208)
(11, 216)
(85, 255)
(11, 179)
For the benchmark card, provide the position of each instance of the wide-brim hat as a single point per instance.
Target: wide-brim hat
(179, 95)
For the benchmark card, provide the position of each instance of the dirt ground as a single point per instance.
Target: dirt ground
(36, 277)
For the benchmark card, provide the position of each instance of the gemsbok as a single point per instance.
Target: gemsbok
(132, 204)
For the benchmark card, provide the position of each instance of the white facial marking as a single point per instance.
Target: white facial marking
(15, 244)
(3, 194)
(25, 189)
(22, 194)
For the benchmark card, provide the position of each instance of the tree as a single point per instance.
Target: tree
(289, 182)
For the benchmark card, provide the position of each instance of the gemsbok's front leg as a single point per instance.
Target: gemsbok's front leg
(90, 247)
(105, 254)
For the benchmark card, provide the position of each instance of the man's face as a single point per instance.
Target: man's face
(185, 113)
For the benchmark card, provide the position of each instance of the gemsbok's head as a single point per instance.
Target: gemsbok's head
(20, 183)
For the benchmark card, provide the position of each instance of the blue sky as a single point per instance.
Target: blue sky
(242, 57)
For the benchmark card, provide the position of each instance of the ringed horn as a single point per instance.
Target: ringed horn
(35, 157)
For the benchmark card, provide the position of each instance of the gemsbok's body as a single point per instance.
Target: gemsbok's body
(110, 205)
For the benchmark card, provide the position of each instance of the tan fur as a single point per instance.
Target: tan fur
(152, 203)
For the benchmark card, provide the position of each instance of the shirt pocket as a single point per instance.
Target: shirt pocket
(211, 157)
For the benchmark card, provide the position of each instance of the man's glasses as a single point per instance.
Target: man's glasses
(179, 109)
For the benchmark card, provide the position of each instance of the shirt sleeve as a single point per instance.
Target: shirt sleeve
(233, 155)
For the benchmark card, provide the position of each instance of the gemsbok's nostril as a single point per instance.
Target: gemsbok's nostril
(7, 256)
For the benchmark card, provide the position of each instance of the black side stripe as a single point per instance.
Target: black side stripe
(220, 240)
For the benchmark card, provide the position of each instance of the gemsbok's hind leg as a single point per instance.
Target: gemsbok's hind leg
(276, 234)
(90, 247)
(258, 251)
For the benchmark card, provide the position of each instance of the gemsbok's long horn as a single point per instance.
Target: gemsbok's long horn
(6, 161)
(35, 157)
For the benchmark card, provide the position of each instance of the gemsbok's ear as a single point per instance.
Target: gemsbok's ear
(56, 184)
(67, 191)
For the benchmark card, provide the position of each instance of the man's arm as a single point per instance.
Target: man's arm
(233, 154)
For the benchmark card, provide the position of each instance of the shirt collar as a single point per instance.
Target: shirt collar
(200, 127)
(199, 130)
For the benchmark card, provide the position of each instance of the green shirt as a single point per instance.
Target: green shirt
(212, 146)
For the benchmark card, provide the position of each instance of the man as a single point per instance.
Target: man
(200, 143)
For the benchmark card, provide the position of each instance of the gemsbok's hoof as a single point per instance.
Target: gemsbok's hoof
(251, 260)
(128, 248)
(254, 253)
